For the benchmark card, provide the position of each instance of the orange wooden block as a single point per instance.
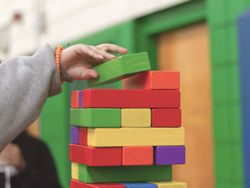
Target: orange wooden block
(153, 80)
(137, 155)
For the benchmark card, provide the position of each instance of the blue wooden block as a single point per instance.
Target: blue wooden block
(244, 47)
(140, 185)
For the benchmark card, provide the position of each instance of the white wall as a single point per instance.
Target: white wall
(65, 20)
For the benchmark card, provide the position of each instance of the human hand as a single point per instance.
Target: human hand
(12, 155)
(79, 59)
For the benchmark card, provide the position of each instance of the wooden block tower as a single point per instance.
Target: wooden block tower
(127, 138)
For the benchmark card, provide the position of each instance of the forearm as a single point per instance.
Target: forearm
(25, 84)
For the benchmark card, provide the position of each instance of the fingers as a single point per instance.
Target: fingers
(87, 74)
(100, 53)
(89, 51)
(103, 53)
(112, 48)
(93, 54)
(89, 55)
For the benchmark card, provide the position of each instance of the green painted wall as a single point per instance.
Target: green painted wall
(222, 20)
(55, 131)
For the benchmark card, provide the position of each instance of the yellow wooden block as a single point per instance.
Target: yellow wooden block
(172, 184)
(104, 137)
(74, 171)
(137, 117)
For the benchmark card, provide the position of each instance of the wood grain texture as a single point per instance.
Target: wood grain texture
(131, 117)
(96, 117)
(153, 80)
(120, 67)
(107, 137)
(139, 98)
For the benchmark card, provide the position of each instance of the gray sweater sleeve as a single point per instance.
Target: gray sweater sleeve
(25, 84)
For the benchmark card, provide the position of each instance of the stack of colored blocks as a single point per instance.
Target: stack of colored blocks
(129, 137)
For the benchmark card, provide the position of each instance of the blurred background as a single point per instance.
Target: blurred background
(197, 37)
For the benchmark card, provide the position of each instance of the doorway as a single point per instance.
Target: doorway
(187, 50)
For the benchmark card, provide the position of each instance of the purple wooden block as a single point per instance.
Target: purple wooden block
(168, 155)
(81, 99)
(74, 135)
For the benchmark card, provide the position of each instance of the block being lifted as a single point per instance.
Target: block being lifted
(120, 67)
(153, 80)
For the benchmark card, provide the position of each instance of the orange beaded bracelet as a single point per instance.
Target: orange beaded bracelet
(59, 50)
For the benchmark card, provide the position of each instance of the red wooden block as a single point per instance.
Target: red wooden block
(141, 155)
(113, 98)
(83, 136)
(153, 80)
(75, 102)
(78, 184)
(166, 117)
(93, 156)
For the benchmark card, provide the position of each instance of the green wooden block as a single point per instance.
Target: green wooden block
(120, 67)
(90, 174)
(96, 117)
